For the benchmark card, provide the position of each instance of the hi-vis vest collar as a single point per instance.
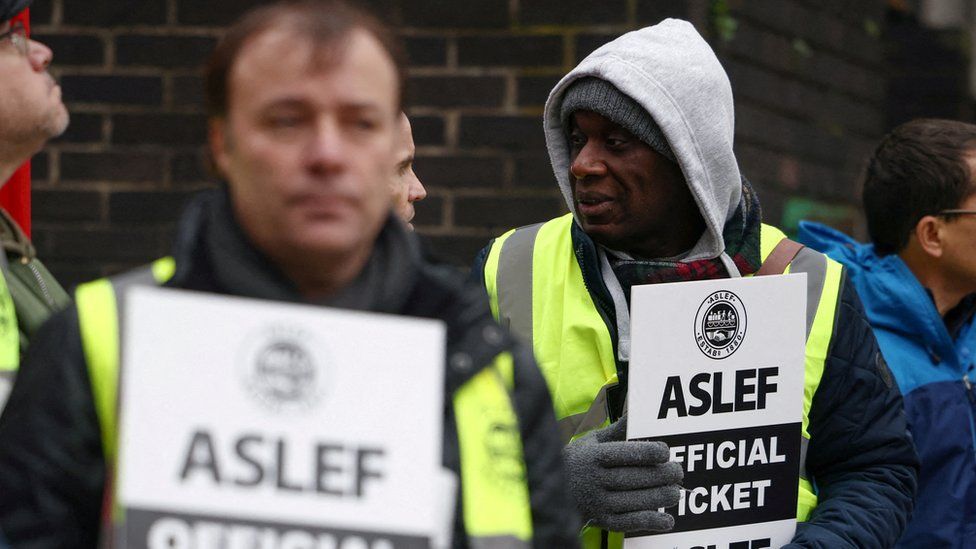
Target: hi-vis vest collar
(494, 489)
(537, 289)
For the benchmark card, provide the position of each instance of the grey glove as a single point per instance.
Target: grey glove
(619, 484)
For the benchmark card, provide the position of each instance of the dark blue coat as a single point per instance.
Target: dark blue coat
(935, 373)
(861, 457)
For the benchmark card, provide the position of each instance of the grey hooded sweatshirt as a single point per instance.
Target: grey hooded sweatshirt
(671, 72)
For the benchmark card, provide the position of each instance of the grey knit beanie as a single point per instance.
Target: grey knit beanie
(602, 97)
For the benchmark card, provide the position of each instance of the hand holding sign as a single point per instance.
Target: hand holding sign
(619, 484)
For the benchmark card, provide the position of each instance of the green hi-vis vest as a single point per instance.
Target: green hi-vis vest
(494, 489)
(536, 288)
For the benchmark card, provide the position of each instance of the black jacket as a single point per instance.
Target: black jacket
(861, 456)
(52, 469)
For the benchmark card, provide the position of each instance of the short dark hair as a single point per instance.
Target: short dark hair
(919, 169)
(323, 22)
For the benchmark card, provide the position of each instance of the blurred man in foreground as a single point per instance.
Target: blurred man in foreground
(917, 279)
(303, 100)
(31, 113)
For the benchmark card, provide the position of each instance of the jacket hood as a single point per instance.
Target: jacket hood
(672, 73)
(893, 298)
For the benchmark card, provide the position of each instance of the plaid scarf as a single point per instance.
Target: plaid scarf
(741, 235)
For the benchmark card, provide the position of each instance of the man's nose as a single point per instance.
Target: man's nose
(39, 55)
(587, 163)
(417, 190)
(327, 149)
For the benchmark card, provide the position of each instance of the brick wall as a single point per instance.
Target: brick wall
(928, 70)
(810, 84)
(808, 77)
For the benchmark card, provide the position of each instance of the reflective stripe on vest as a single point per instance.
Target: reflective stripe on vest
(569, 335)
(98, 303)
(494, 489)
(571, 342)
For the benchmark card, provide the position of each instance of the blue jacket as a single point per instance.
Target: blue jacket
(935, 374)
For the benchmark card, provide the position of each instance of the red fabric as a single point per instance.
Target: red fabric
(15, 195)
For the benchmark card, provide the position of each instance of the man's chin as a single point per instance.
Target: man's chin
(59, 123)
(604, 236)
(331, 240)
(597, 231)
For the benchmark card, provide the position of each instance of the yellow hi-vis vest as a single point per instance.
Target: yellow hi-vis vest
(494, 489)
(536, 287)
(9, 341)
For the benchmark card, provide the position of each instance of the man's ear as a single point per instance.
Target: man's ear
(928, 232)
(217, 140)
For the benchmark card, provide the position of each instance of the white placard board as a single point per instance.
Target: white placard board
(247, 423)
(716, 372)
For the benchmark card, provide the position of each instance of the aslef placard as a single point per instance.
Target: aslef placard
(249, 423)
(717, 372)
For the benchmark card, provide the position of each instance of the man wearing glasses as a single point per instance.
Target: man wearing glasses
(31, 113)
(917, 280)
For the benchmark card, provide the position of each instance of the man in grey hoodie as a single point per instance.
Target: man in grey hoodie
(640, 137)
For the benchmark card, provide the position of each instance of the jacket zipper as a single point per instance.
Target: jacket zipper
(40, 280)
(599, 301)
(972, 401)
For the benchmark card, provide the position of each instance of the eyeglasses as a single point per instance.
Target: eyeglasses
(957, 212)
(18, 37)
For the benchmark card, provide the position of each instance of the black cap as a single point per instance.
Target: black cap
(10, 8)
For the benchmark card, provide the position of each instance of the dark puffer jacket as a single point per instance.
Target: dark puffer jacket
(861, 457)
